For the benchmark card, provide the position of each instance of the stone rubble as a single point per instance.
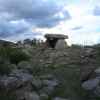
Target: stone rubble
(93, 85)
(27, 87)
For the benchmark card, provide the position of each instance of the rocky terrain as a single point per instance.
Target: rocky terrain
(37, 73)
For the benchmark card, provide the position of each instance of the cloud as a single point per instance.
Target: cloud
(23, 36)
(96, 11)
(11, 28)
(19, 16)
(44, 13)
(77, 28)
(79, 19)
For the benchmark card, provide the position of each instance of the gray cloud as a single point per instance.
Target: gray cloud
(51, 21)
(96, 11)
(77, 28)
(10, 28)
(34, 10)
(38, 13)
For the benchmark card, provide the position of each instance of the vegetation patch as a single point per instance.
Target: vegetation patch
(14, 55)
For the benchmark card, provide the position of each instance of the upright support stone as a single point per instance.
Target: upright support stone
(61, 44)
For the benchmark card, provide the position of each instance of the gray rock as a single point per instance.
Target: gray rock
(44, 96)
(51, 83)
(45, 84)
(31, 96)
(48, 90)
(48, 77)
(91, 84)
(97, 71)
(59, 98)
(37, 83)
(49, 86)
(25, 65)
(21, 92)
(15, 80)
(61, 44)
(25, 95)
(97, 91)
(21, 75)
(9, 83)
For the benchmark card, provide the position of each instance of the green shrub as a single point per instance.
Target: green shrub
(5, 67)
(14, 55)
(17, 56)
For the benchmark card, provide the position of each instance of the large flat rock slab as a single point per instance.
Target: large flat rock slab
(58, 36)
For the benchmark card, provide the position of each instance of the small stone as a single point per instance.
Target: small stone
(44, 96)
(91, 84)
(37, 83)
(49, 77)
(52, 83)
(48, 90)
(97, 91)
(59, 98)
(97, 71)
(32, 96)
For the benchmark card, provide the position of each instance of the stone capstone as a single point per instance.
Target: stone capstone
(58, 36)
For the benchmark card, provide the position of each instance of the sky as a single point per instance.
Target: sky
(79, 19)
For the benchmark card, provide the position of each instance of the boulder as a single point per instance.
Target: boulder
(49, 86)
(32, 96)
(91, 84)
(51, 83)
(22, 76)
(97, 71)
(9, 83)
(97, 91)
(37, 83)
(27, 95)
(44, 96)
(47, 76)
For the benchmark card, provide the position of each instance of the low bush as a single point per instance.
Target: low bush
(5, 67)
(14, 55)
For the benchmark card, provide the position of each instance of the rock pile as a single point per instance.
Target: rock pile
(90, 72)
(24, 86)
(93, 84)
(88, 63)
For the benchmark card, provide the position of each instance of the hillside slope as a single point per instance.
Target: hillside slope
(69, 67)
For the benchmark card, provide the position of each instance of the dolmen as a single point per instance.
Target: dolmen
(56, 41)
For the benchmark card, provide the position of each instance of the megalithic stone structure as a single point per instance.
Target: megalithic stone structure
(56, 41)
